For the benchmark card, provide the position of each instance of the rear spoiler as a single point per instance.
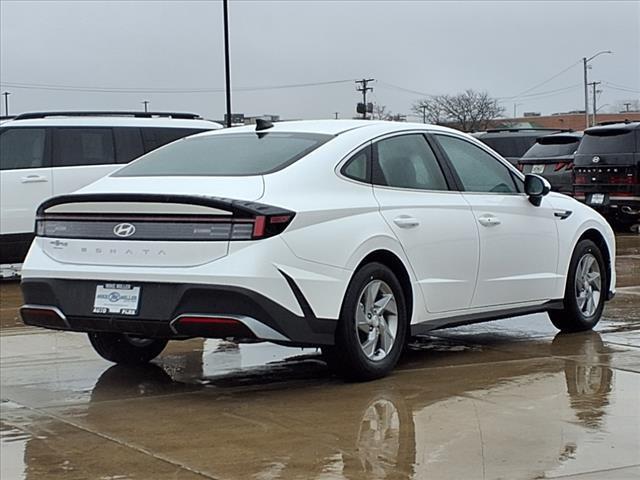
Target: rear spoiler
(240, 208)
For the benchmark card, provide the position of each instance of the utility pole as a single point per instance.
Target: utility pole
(364, 89)
(145, 103)
(225, 10)
(626, 106)
(424, 113)
(6, 102)
(585, 62)
(336, 114)
(593, 86)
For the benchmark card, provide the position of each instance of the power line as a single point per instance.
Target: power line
(93, 89)
(403, 89)
(545, 81)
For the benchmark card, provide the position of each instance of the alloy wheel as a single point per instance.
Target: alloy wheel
(376, 320)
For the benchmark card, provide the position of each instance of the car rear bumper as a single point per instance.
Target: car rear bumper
(622, 208)
(171, 310)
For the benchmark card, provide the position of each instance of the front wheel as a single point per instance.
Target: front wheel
(126, 349)
(372, 326)
(585, 291)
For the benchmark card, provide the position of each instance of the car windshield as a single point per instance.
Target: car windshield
(608, 140)
(553, 147)
(239, 154)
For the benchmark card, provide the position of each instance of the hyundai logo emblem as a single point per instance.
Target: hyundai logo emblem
(596, 159)
(124, 230)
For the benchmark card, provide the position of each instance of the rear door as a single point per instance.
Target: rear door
(518, 241)
(81, 155)
(433, 223)
(25, 177)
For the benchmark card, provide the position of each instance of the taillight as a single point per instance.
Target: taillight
(581, 179)
(270, 225)
(621, 179)
(560, 165)
(520, 167)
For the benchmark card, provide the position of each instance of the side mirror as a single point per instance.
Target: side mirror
(536, 187)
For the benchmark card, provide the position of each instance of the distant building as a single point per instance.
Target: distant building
(573, 120)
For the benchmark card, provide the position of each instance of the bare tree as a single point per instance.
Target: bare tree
(380, 112)
(468, 111)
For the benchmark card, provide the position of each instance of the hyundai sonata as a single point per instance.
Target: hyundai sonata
(351, 236)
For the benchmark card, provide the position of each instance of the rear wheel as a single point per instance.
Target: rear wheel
(585, 291)
(372, 326)
(126, 349)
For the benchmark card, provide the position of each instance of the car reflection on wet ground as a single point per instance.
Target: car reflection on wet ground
(510, 399)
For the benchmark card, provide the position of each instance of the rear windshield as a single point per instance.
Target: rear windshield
(553, 147)
(225, 155)
(510, 146)
(610, 140)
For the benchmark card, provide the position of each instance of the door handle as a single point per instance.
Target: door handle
(405, 221)
(34, 179)
(489, 220)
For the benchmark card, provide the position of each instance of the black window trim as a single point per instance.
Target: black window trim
(48, 146)
(55, 132)
(375, 166)
(514, 173)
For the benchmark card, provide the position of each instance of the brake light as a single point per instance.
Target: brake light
(270, 225)
(560, 165)
(520, 167)
(621, 179)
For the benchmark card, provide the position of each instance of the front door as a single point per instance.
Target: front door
(518, 241)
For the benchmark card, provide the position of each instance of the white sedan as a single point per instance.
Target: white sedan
(347, 235)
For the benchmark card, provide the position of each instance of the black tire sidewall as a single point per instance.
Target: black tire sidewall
(347, 353)
(580, 322)
(116, 348)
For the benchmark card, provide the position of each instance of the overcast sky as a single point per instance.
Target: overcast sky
(505, 48)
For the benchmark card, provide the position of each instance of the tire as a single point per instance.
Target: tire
(369, 350)
(580, 313)
(124, 349)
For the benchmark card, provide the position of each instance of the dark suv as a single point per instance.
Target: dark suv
(552, 157)
(512, 143)
(607, 166)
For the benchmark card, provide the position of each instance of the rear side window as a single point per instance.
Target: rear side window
(83, 146)
(157, 137)
(357, 168)
(478, 171)
(608, 140)
(128, 143)
(225, 155)
(22, 148)
(553, 147)
(407, 161)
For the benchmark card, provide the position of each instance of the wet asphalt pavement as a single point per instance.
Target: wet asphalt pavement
(510, 399)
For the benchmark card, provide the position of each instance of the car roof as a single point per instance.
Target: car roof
(334, 127)
(577, 135)
(111, 119)
(522, 132)
(614, 126)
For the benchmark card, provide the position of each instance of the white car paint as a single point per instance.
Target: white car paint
(457, 265)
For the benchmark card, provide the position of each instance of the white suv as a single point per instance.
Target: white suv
(51, 153)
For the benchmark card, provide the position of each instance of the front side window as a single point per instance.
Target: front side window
(407, 161)
(22, 148)
(478, 171)
(83, 146)
(225, 155)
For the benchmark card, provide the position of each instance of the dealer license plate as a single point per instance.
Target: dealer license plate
(597, 199)
(119, 298)
(537, 169)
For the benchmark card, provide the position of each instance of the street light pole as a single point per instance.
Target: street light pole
(225, 9)
(6, 102)
(585, 61)
(145, 103)
(424, 113)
